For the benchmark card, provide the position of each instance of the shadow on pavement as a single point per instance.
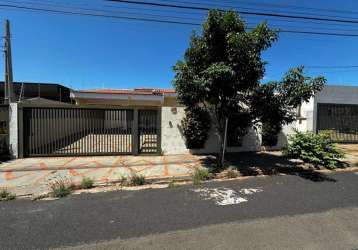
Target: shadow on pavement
(262, 163)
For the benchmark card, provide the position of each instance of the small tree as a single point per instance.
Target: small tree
(221, 73)
(274, 104)
(222, 66)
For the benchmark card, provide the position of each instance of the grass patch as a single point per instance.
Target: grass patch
(5, 195)
(173, 184)
(86, 183)
(61, 188)
(137, 180)
(123, 180)
(200, 175)
(232, 173)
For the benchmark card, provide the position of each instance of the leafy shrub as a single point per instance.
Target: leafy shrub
(137, 180)
(201, 174)
(270, 134)
(231, 173)
(172, 184)
(87, 183)
(6, 195)
(317, 149)
(61, 188)
(123, 180)
(195, 127)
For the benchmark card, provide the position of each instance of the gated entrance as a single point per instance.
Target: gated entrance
(340, 120)
(148, 131)
(88, 131)
(4, 130)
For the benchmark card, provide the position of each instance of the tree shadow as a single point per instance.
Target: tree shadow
(267, 163)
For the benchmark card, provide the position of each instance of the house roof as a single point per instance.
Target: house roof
(136, 91)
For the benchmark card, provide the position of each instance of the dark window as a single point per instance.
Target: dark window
(3, 127)
(233, 137)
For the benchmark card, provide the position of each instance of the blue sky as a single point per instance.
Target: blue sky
(92, 52)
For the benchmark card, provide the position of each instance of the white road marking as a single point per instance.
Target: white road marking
(226, 196)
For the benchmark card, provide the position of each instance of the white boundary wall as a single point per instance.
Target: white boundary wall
(173, 141)
(13, 130)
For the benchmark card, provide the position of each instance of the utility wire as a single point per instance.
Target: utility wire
(242, 12)
(190, 19)
(239, 8)
(332, 67)
(158, 20)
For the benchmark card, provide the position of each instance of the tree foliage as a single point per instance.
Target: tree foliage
(222, 66)
(274, 104)
(221, 72)
(195, 127)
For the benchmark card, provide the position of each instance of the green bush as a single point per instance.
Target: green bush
(137, 180)
(6, 195)
(317, 149)
(61, 188)
(173, 184)
(87, 183)
(201, 174)
(231, 173)
(195, 127)
(270, 134)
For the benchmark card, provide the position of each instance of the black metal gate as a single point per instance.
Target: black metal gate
(148, 131)
(341, 121)
(77, 131)
(4, 130)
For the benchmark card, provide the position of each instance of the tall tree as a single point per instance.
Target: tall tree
(222, 67)
(221, 72)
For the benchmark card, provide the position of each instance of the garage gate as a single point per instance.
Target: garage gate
(340, 120)
(89, 131)
(4, 130)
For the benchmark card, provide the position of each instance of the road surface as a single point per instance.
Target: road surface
(278, 212)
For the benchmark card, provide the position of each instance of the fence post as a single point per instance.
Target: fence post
(20, 118)
(159, 132)
(135, 132)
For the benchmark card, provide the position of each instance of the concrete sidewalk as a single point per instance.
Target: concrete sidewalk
(31, 176)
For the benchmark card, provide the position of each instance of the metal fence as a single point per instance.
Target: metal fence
(341, 121)
(4, 130)
(148, 134)
(87, 131)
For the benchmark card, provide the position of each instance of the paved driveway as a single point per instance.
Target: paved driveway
(32, 175)
(351, 151)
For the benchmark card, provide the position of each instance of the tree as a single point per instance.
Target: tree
(274, 104)
(221, 73)
(222, 67)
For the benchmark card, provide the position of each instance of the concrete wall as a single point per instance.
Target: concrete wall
(173, 142)
(13, 130)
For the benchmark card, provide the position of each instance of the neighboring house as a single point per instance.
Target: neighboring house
(29, 93)
(26, 90)
(148, 121)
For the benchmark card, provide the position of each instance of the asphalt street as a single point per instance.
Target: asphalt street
(278, 212)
